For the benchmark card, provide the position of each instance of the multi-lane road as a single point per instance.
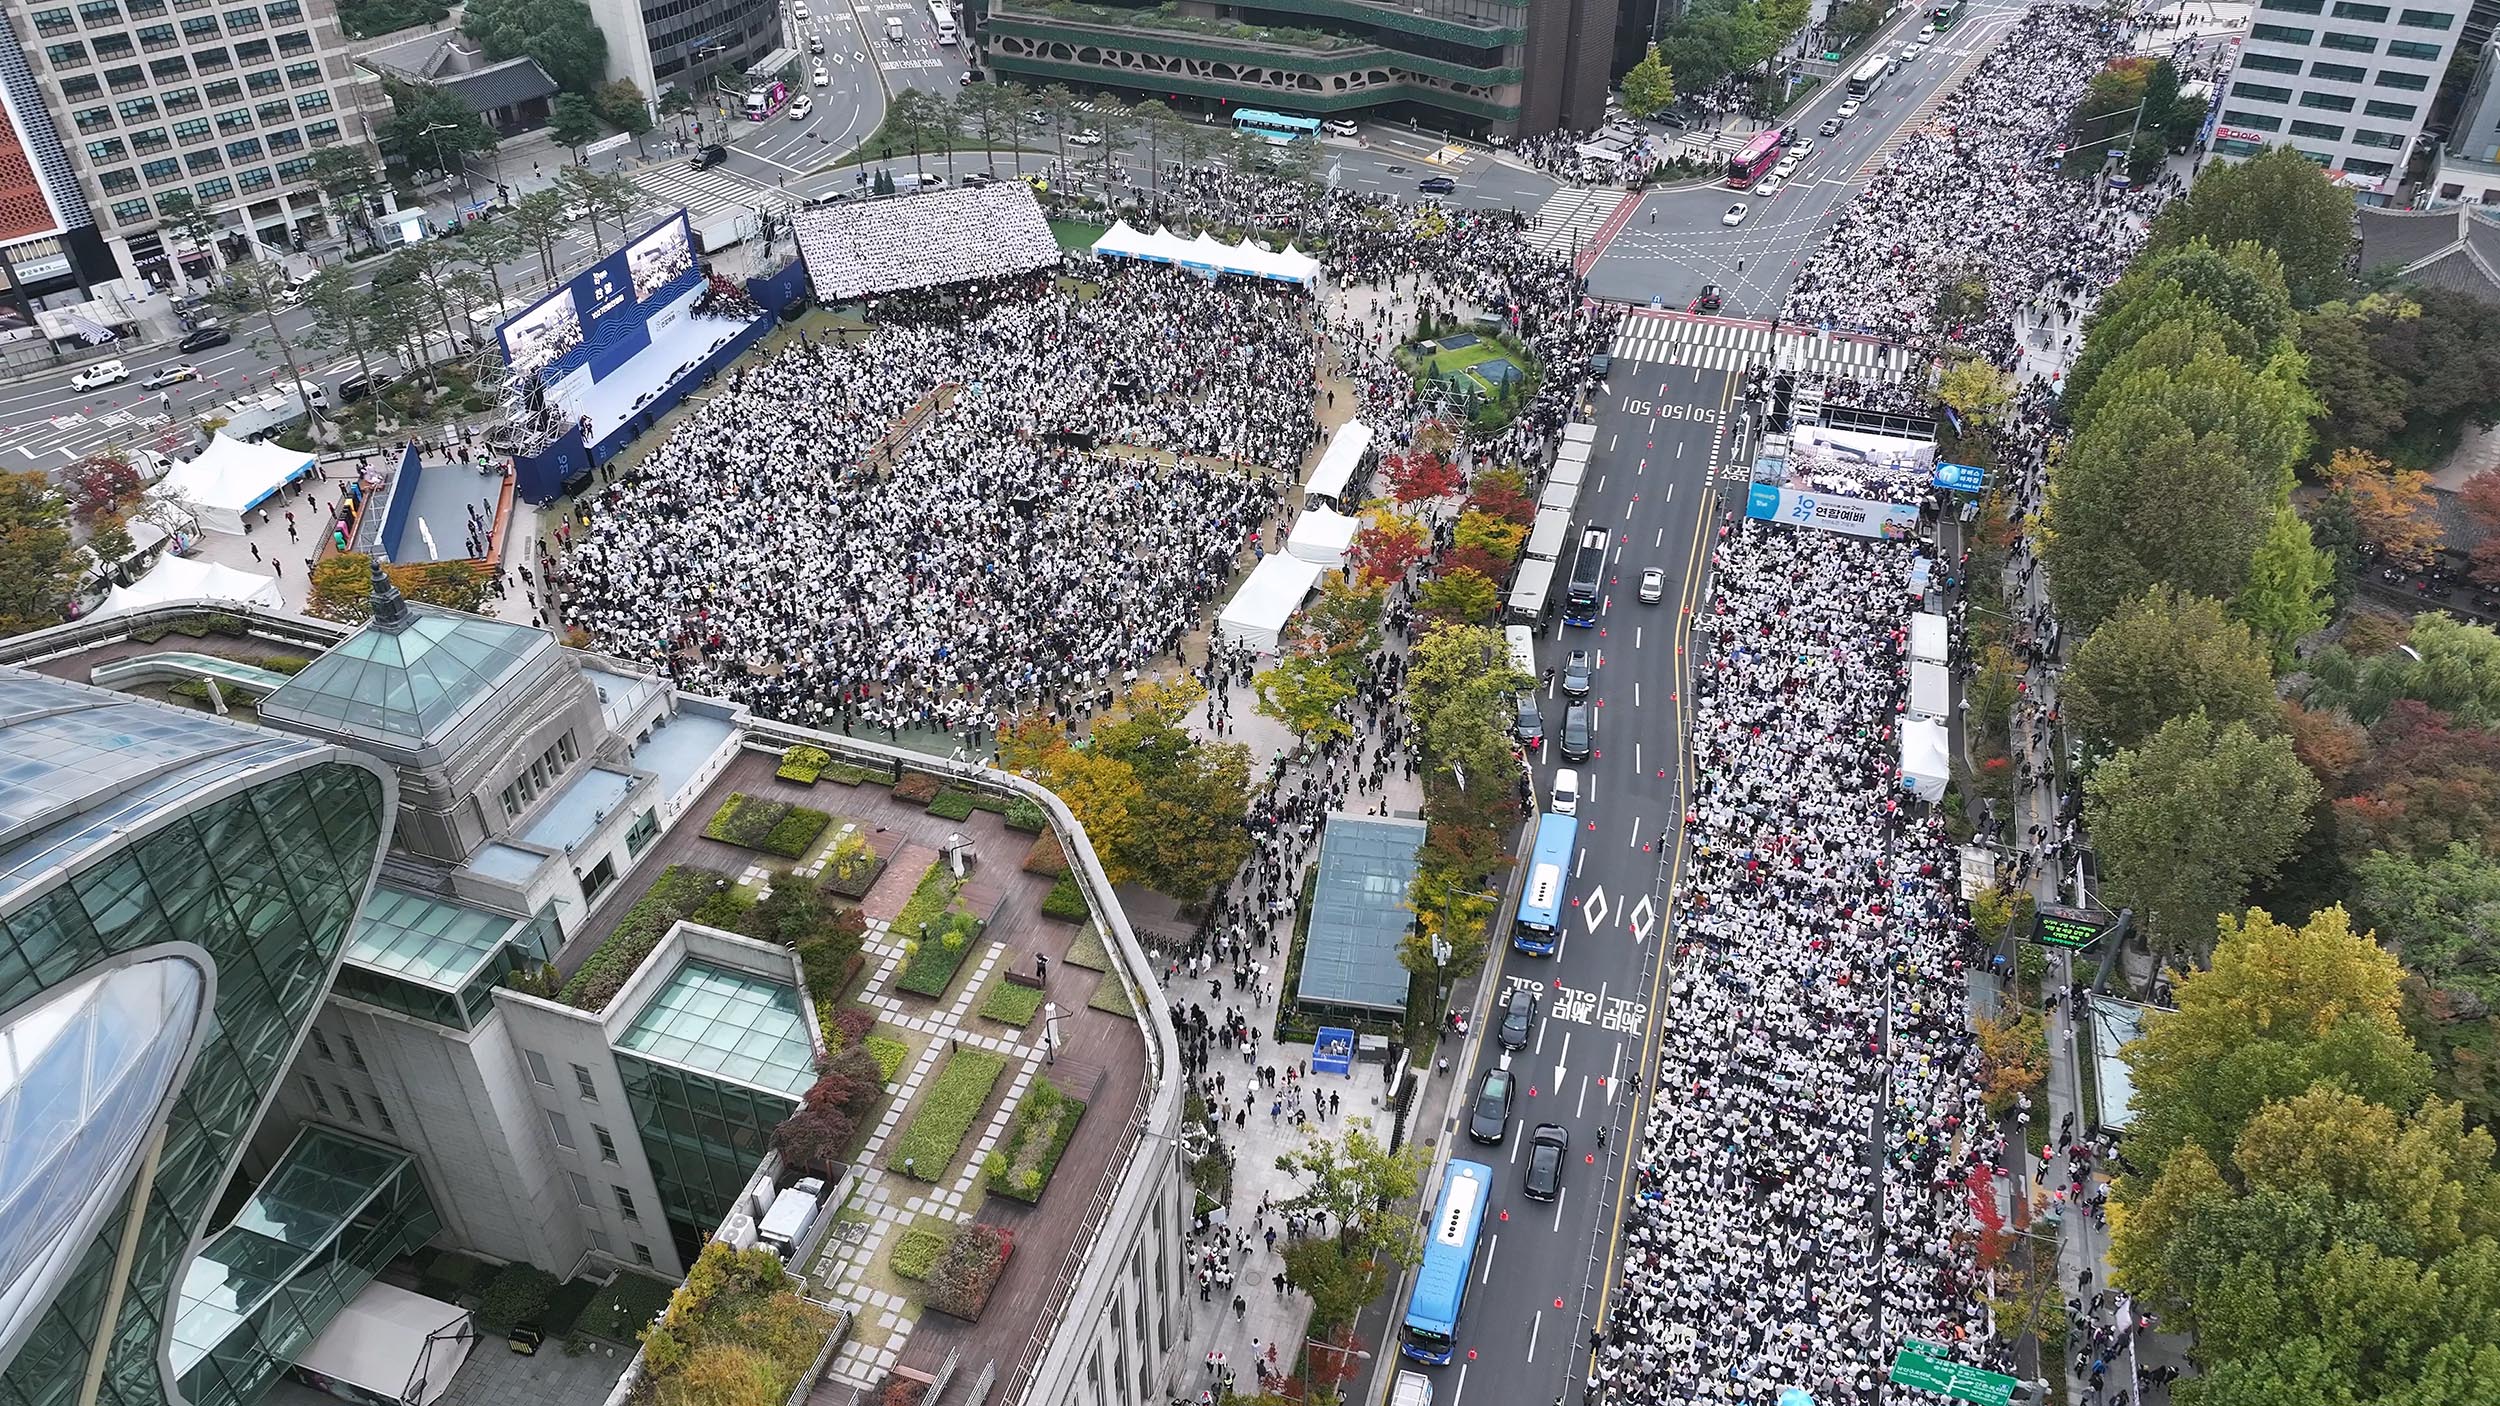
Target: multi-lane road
(1660, 453)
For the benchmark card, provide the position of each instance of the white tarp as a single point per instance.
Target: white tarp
(1286, 265)
(1344, 454)
(180, 578)
(1322, 536)
(1275, 589)
(1551, 534)
(395, 1345)
(1927, 638)
(1923, 765)
(1930, 690)
(1528, 591)
(230, 477)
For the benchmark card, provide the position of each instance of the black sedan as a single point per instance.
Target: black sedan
(201, 339)
(1548, 1147)
(1518, 1021)
(1578, 672)
(1436, 185)
(1488, 1119)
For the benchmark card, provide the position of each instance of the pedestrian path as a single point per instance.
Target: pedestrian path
(1570, 219)
(1726, 344)
(705, 193)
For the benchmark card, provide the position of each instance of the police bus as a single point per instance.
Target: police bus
(1537, 928)
(1440, 1296)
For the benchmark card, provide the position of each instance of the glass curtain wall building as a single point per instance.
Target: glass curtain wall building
(175, 893)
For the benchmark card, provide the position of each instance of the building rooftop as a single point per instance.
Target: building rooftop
(573, 812)
(733, 1024)
(619, 693)
(501, 861)
(405, 683)
(424, 939)
(678, 751)
(2451, 247)
(1359, 913)
(78, 764)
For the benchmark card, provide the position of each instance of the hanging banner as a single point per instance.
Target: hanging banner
(1858, 517)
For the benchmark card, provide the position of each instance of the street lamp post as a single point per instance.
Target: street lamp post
(438, 155)
(1309, 1343)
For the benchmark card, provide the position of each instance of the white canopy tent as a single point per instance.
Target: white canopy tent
(180, 578)
(1343, 456)
(230, 478)
(1927, 638)
(1930, 691)
(1322, 536)
(393, 1345)
(1257, 613)
(1924, 768)
(1207, 254)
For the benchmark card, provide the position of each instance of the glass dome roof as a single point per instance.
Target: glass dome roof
(83, 1075)
(405, 683)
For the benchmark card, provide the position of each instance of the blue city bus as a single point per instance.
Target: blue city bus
(1280, 128)
(1449, 1261)
(1538, 929)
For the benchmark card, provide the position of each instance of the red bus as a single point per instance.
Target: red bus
(1759, 155)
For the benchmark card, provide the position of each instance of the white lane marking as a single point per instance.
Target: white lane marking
(1489, 1247)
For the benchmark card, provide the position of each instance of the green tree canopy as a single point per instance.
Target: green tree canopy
(2440, 913)
(2188, 821)
(430, 129)
(574, 122)
(2160, 656)
(39, 563)
(2237, 294)
(1648, 86)
(2289, 588)
(2281, 200)
(1363, 1188)
(560, 34)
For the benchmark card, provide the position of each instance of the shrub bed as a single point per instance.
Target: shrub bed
(619, 1311)
(917, 1249)
(961, 1281)
(1044, 1125)
(827, 962)
(951, 805)
(991, 801)
(1065, 900)
(1110, 995)
(918, 787)
(678, 891)
(889, 1053)
(852, 866)
(1024, 815)
(929, 898)
(796, 832)
(1010, 1004)
(948, 1108)
(935, 959)
(517, 1294)
(850, 775)
(803, 764)
(745, 821)
(1045, 857)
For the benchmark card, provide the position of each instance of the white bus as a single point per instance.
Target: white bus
(1868, 75)
(944, 19)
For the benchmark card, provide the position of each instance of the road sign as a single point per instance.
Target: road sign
(1911, 1368)
(2054, 926)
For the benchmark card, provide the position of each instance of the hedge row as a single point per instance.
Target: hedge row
(679, 890)
(948, 1108)
(1066, 900)
(1044, 1125)
(803, 764)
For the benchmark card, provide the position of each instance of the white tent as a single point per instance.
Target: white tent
(1927, 638)
(180, 578)
(1322, 536)
(230, 478)
(1207, 254)
(393, 1345)
(1924, 768)
(1345, 453)
(1257, 613)
(1930, 688)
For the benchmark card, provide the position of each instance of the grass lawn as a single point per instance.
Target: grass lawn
(949, 1106)
(1010, 1004)
(1448, 362)
(1075, 235)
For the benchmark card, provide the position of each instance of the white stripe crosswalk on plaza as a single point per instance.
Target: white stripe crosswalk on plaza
(1722, 345)
(1569, 219)
(706, 192)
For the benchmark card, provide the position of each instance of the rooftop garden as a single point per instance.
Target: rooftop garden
(681, 891)
(1169, 17)
(734, 1333)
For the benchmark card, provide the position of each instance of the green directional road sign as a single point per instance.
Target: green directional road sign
(1924, 1348)
(1914, 1368)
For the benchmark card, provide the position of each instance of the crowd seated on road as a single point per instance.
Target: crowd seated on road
(1974, 193)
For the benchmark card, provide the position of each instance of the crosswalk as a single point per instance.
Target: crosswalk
(705, 192)
(1723, 344)
(1570, 219)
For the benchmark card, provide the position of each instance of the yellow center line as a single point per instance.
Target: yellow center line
(1690, 604)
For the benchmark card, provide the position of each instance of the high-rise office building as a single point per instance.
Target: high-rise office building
(2348, 84)
(664, 44)
(220, 103)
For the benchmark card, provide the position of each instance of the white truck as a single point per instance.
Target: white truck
(1411, 1389)
(718, 232)
(786, 1223)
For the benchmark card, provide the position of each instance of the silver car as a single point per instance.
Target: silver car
(1653, 584)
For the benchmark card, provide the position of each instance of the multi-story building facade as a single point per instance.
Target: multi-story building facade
(2347, 83)
(1477, 67)
(664, 44)
(48, 238)
(2468, 171)
(224, 103)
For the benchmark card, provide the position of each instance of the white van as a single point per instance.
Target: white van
(1522, 642)
(894, 28)
(1411, 1389)
(1565, 796)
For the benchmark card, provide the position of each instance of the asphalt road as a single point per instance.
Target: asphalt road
(1675, 242)
(1542, 1270)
